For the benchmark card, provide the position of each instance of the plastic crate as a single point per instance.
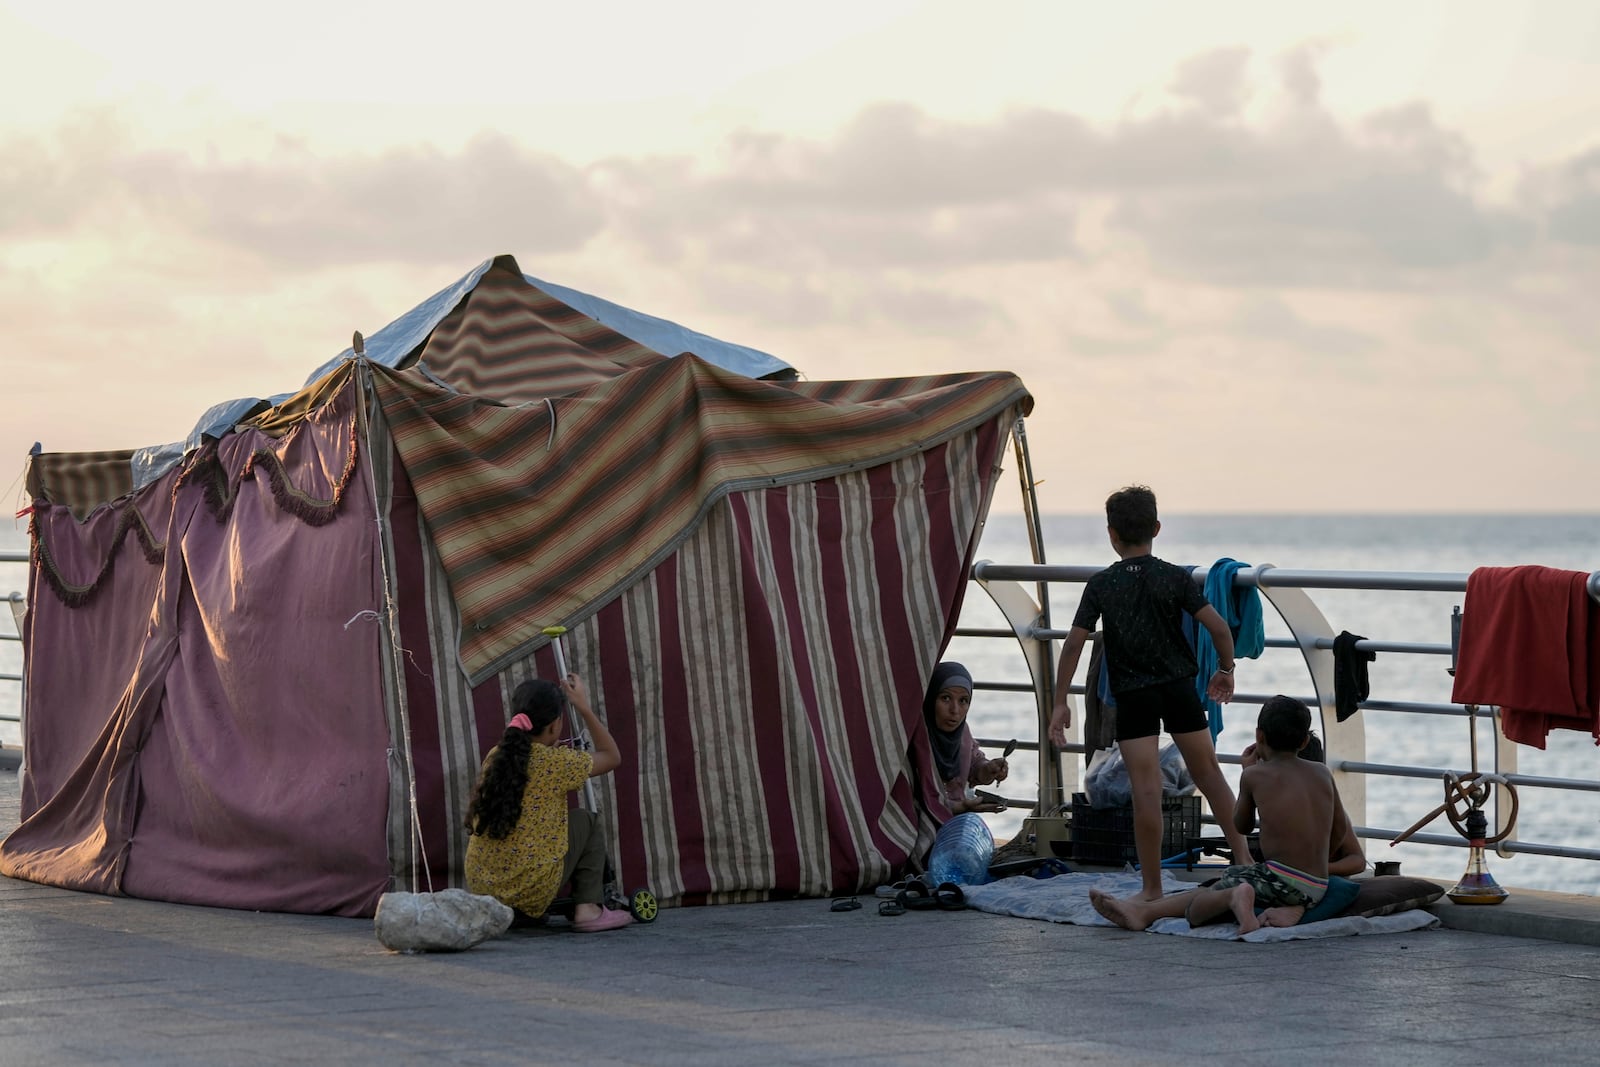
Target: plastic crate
(1104, 836)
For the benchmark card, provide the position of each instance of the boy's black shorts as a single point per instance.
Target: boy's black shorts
(1140, 712)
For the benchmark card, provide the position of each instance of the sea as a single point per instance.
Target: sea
(1412, 543)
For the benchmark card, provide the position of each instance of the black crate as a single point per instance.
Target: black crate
(1104, 836)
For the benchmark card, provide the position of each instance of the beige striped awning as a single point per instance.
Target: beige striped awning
(541, 514)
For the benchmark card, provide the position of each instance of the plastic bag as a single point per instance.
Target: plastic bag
(1107, 784)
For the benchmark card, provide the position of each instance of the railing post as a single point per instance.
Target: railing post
(19, 613)
(1505, 762)
(1341, 740)
(1023, 616)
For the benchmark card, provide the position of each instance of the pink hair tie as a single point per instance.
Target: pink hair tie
(521, 722)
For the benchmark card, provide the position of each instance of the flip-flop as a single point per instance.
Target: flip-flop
(845, 904)
(949, 897)
(891, 907)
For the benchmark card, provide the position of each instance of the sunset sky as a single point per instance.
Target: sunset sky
(1265, 257)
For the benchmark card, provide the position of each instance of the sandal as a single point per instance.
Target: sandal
(917, 897)
(949, 897)
(909, 881)
(891, 907)
(845, 904)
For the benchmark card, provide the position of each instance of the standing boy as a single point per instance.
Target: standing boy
(1142, 600)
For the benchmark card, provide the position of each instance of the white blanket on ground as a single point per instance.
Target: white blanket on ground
(1065, 899)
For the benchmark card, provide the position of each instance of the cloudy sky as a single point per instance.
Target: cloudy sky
(1265, 257)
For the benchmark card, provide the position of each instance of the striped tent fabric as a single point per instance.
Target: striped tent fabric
(764, 681)
(512, 341)
(541, 514)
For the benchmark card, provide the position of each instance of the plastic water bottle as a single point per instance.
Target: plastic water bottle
(962, 851)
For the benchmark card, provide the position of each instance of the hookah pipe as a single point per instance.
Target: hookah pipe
(1477, 885)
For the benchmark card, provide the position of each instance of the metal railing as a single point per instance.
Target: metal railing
(11, 684)
(1313, 636)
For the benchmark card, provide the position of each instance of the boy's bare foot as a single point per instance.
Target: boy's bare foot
(1242, 902)
(1283, 915)
(1122, 912)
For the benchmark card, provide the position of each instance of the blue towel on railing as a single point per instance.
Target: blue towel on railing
(1240, 608)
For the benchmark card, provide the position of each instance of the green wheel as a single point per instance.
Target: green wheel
(642, 906)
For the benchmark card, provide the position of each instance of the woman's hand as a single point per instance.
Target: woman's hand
(970, 801)
(990, 771)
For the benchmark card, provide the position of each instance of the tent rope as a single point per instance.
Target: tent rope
(391, 613)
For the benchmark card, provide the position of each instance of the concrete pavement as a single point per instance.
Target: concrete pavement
(91, 979)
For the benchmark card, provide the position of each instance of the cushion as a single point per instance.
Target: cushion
(1341, 892)
(1388, 893)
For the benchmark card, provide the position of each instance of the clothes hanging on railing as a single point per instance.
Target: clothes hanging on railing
(1530, 643)
(1099, 706)
(1350, 686)
(1240, 608)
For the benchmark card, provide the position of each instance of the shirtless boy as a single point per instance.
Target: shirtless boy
(1305, 833)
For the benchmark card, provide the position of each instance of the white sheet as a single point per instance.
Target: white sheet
(1065, 899)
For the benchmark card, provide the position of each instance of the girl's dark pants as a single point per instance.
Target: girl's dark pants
(585, 865)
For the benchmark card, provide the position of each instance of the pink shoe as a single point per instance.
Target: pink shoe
(607, 920)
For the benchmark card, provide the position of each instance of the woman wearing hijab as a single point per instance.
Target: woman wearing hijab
(958, 761)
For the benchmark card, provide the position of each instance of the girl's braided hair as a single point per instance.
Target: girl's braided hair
(497, 799)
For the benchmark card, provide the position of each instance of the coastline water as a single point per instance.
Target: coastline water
(1430, 543)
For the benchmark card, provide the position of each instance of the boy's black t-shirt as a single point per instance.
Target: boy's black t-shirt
(1142, 600)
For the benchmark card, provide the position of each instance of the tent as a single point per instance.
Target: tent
(263, 673)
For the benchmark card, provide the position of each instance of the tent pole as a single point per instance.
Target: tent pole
(556, 633)
(1044, 687)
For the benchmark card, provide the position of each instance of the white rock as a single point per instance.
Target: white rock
(447, 921)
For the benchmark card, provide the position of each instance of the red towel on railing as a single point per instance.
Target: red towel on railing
(1530, 643)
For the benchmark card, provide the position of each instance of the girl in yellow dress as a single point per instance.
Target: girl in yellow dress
(524, 843)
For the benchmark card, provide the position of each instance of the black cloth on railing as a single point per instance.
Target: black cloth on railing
(1099, 716)
(1350, 685)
